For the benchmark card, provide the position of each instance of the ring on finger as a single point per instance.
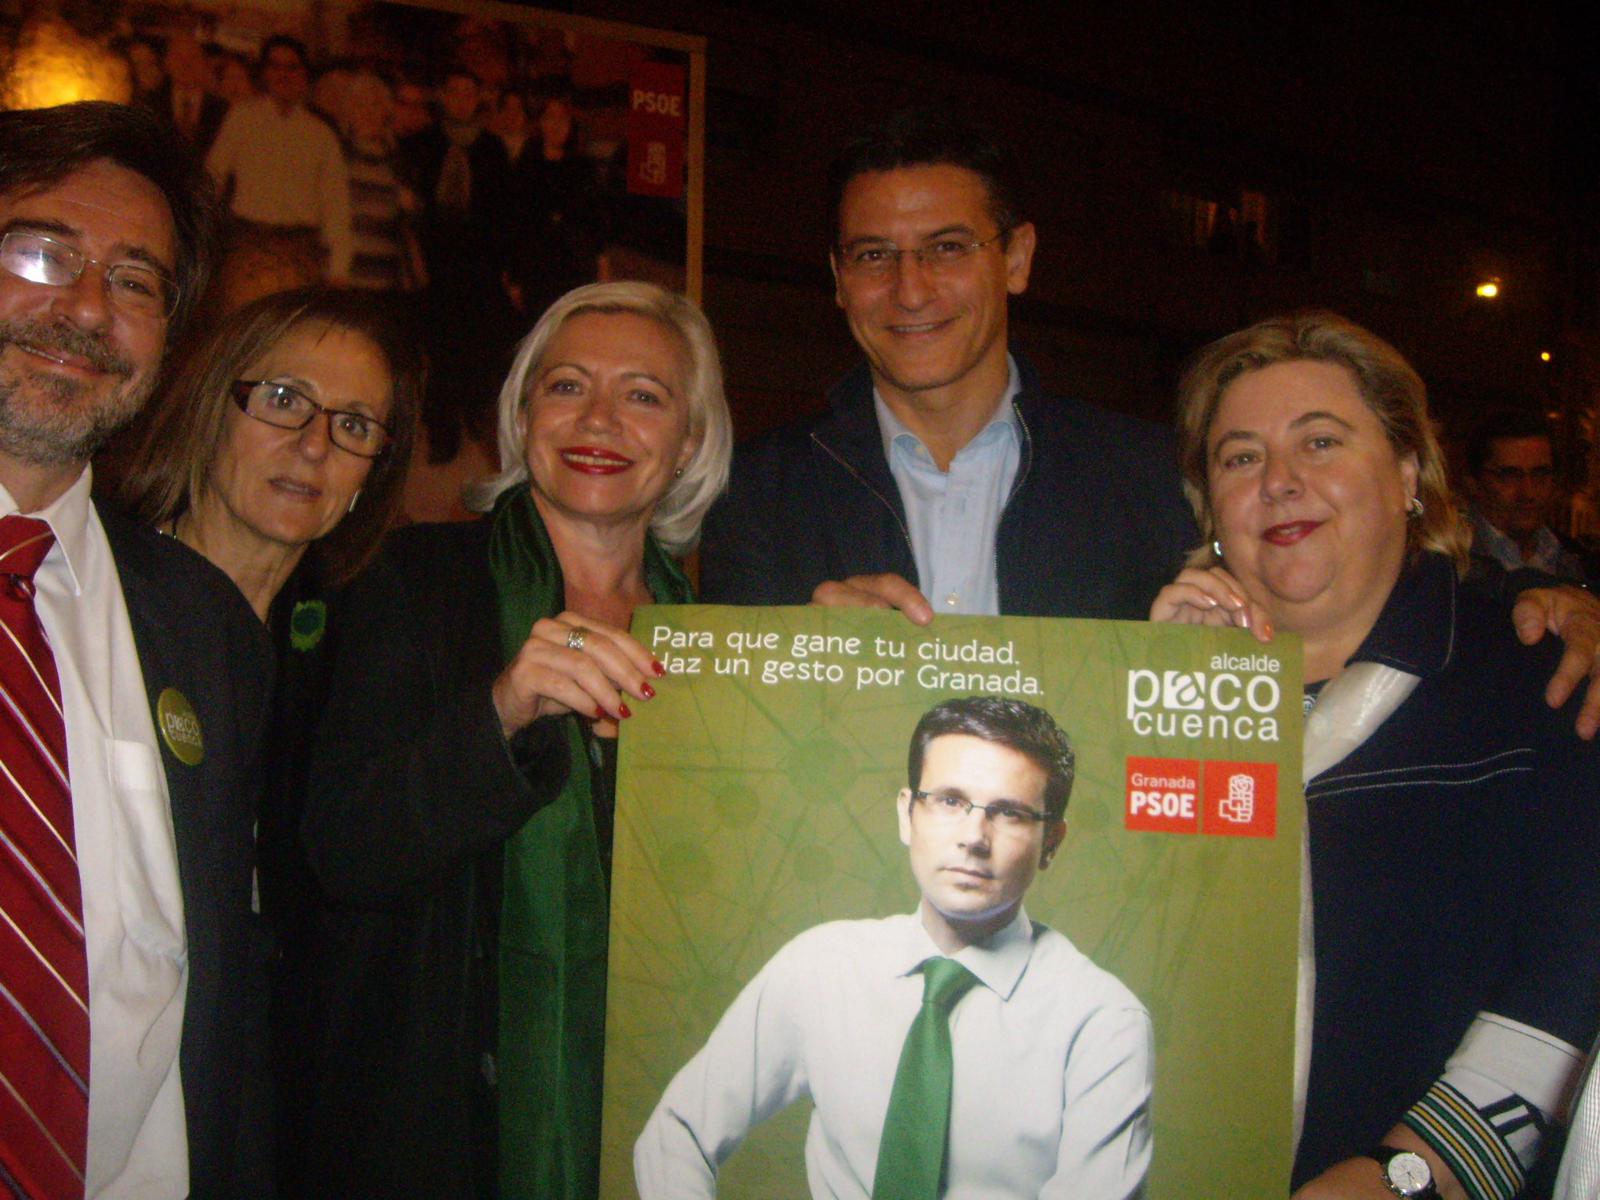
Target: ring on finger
(575, 637)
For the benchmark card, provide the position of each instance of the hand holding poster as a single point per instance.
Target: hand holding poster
(782, 886)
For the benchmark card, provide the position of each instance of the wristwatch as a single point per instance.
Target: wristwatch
(1405, 1172)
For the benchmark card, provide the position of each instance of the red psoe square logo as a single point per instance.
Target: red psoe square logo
(1241, 799)
(1163, 795)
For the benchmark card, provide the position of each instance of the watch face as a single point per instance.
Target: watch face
(1409, 1173)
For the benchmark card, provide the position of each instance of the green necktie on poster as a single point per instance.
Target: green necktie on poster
(911, 1154)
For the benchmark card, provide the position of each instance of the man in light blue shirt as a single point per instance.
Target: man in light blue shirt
(953, 514)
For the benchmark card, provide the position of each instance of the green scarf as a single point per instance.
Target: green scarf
(555, 909)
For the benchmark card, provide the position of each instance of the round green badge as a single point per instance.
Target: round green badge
(180, 728)
(307, 623)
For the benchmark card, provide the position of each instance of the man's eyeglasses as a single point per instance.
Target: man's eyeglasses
(287, 407)
(1510, 475)
(133, 286)
(951, 807)
(874, 259)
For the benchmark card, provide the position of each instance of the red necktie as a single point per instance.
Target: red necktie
(44, 969)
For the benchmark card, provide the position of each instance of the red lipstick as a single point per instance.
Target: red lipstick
(594, 460)
(1290, 532)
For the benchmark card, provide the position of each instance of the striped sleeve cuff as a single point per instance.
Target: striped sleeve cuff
(1484, 1146)
(1488, 1115)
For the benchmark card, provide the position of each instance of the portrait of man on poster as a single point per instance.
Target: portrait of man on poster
(961, 1049)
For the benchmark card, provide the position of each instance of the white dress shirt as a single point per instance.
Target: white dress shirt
(1579, 1178)
(127, 864)
(1050, 1095)
(954, 516)
(286, 170)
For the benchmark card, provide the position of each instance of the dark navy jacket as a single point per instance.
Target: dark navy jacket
(1455, 866)
(1095, 524)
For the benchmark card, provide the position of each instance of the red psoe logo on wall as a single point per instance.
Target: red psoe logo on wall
(1163, 795)
(658, 124)
(1241, 799)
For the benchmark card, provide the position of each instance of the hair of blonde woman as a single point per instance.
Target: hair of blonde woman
(1391, 388)
(677, 517)
(170, 466)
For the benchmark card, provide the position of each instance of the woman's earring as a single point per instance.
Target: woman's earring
(678, 474)
(353, 500)
(1216, 548)
(1414, 508)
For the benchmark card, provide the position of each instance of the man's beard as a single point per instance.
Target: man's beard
(47, 420)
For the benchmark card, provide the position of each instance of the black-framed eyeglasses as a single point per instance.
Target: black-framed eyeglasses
(287, 407)
(879, 258)
(1005, 814)
(134, 286)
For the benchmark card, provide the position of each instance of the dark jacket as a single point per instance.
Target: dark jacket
(194, 632)
(413, 791)
(212, 111)
(303, 626)
(1453, 866)
(1095, 525)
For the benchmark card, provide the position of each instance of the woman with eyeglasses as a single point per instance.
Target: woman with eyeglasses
(280, 453)
(280, 450)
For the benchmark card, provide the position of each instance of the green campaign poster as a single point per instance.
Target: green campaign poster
(756, 798)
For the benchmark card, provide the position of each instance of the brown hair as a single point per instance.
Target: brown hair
(1392, 390)
(40, 147)
(1028, 730)
(170, 466)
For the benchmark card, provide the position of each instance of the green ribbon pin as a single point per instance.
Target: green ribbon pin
(307, 623)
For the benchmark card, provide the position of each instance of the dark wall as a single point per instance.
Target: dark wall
(1401, 159)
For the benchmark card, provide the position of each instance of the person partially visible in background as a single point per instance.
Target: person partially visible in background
(184, 99)
(283, 171)
(385, 255)
(1516, 493)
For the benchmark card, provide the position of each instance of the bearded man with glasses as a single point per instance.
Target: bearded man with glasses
(959, 1050)
(132, 676)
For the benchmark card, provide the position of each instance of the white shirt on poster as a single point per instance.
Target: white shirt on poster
(1053, 1068)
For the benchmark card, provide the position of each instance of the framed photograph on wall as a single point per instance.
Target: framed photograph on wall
(467, 163)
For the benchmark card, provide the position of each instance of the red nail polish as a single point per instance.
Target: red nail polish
(649, 692)
(623, 709)
(656, 666)
(599, 713)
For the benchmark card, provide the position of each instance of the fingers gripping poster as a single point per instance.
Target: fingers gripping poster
(771, 846)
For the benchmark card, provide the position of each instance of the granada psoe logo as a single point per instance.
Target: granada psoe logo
(1217, 798)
